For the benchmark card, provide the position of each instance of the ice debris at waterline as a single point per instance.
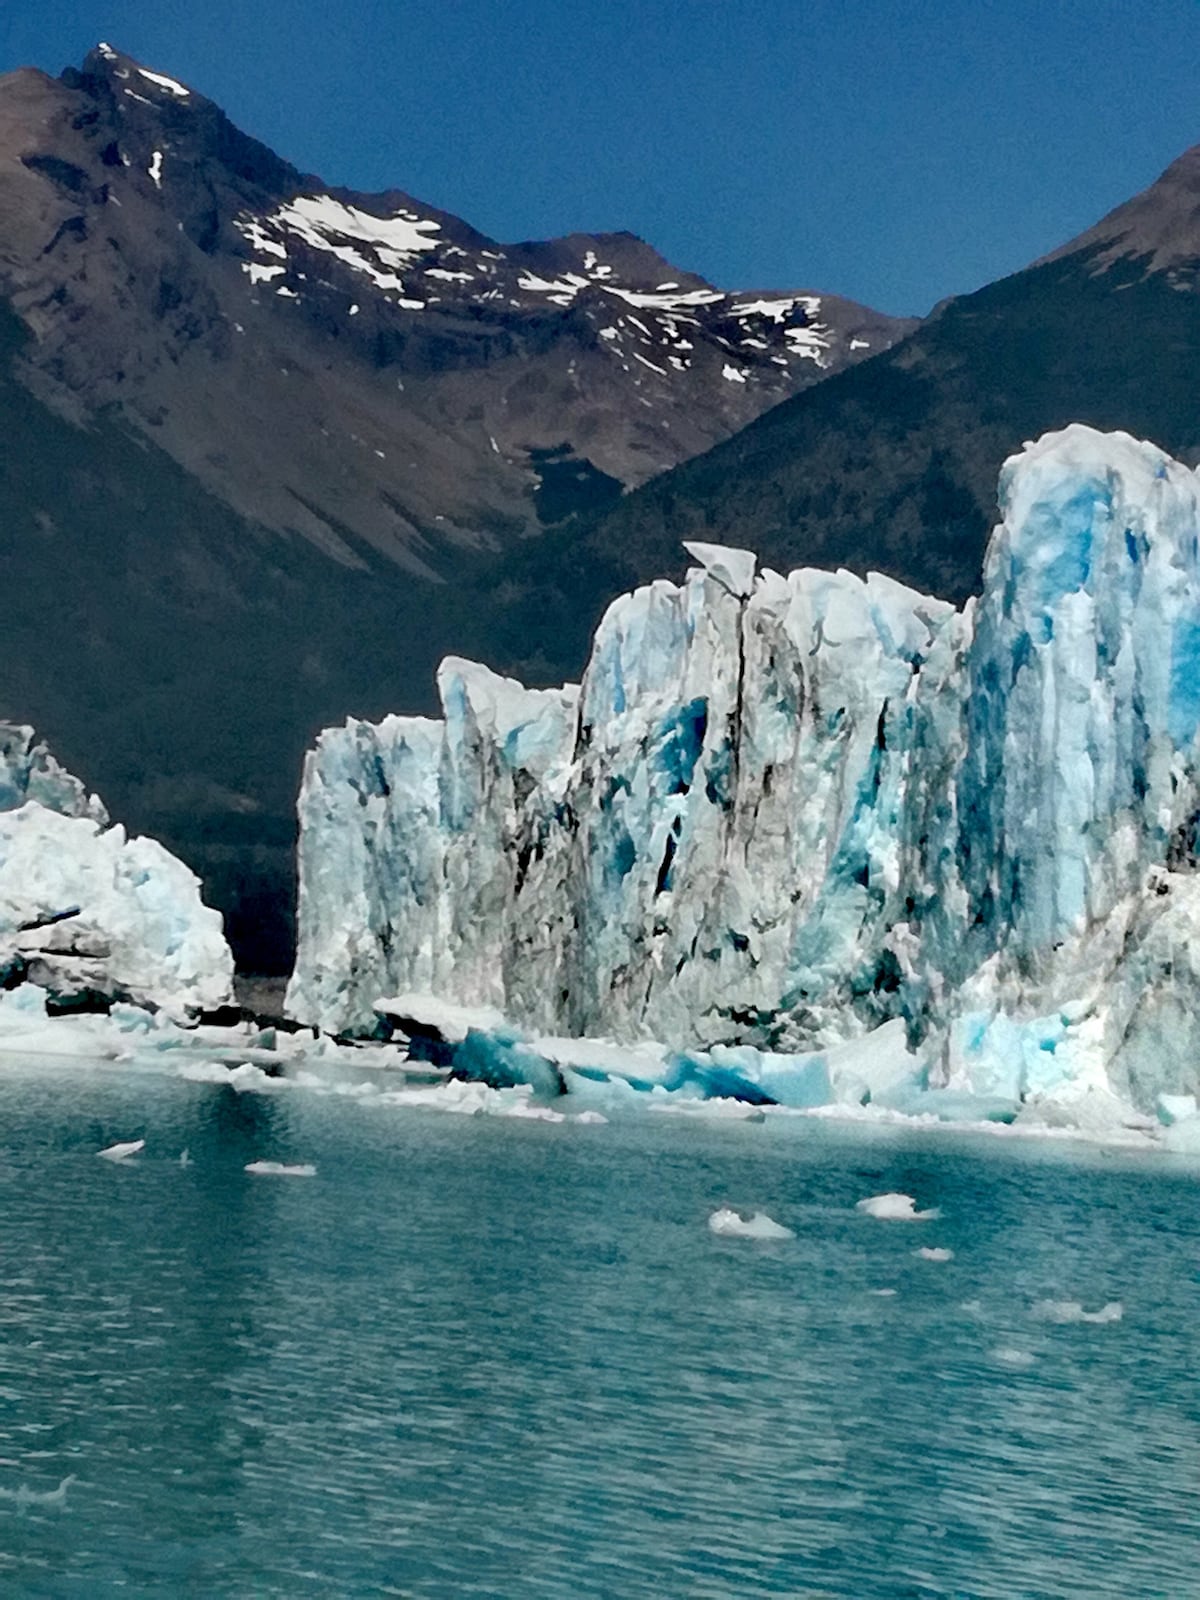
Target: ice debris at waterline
(89, 916)
(729, 1224)
(782, 813)
(737, 1079)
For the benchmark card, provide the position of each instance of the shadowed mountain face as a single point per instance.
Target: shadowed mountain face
(893, 465)
(270, 449)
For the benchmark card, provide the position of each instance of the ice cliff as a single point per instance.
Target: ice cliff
(88, 915)
(784, 812)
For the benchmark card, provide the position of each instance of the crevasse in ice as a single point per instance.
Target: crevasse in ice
(88, 914)
(783, 812)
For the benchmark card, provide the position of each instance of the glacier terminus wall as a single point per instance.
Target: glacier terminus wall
(783, 812)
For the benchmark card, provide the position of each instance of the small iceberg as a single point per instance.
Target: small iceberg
(1064, 1311)
(729, 1224)
(24, 1497)
(1009, 1356)
(122, 1152)
(244, 1078)
(280, 1169)
(896, 1208)
(934, 1253)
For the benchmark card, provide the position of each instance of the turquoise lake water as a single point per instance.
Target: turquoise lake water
(483, 1357)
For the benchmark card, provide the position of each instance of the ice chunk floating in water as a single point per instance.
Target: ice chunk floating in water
(279, 1169)
(730, 1225)
(1072, 1311)
(786, 818)
(122, 1152)
(895, 1208)
(1009, 1356)
(23, 1496)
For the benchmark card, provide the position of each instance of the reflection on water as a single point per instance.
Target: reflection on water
(491, 1358)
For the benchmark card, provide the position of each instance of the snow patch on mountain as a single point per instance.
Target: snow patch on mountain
(168, 85)
(379, 247)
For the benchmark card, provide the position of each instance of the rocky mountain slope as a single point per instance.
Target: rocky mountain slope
(364, 369)
(268, 448)
(893, 465)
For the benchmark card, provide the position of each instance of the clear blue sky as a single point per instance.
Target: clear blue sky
(893, 152)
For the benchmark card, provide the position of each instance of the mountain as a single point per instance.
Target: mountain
(893, 465)
(271, 446)
(365, 370)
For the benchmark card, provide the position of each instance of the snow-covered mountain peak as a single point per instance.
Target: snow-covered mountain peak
(646, 322)
(662, 335)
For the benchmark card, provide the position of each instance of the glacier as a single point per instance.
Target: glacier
(88, 916)
(808, 836)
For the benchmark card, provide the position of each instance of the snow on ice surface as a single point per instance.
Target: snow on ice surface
(804, 815)
(895, 1208)
(729, 1224)
(155, 169)
(734, 374)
